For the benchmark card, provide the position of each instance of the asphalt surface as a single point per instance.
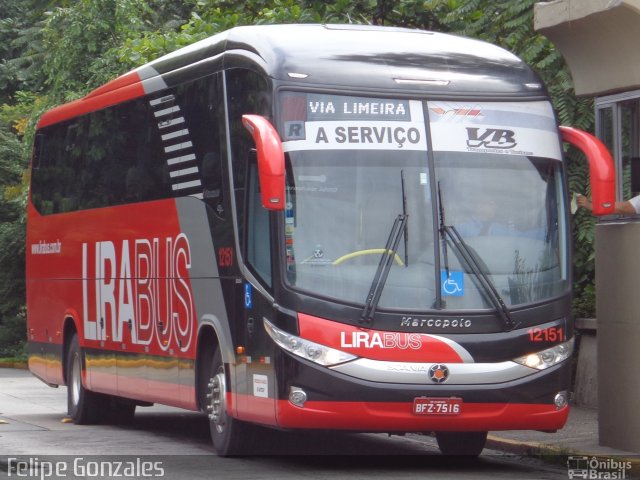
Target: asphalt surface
(36, 437)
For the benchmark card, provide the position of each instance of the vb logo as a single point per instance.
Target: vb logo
(490, 138)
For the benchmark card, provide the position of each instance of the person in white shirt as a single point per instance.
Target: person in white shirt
(626, 207)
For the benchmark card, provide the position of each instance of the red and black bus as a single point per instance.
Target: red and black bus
(310, 227)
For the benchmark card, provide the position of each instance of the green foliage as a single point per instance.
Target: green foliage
(76, 38)
(13, 336)
(209, 18)
(12, 290)
(12, 24)
(12, 202)
(583, 226)
(83, 40)
(15, 107)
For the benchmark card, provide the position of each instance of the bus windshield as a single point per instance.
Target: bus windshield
(506, 210)
(342, 204)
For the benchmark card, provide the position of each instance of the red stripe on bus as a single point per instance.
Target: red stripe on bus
(256, 409)
(377, 344)
(132, 88)
(392, 416)
(122, 81)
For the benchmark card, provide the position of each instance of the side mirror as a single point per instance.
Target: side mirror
(601, 172)
(270, 160)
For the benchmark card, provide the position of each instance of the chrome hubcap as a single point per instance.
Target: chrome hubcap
(76, 381)
(217, 402)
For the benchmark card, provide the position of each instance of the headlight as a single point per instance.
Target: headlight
(547, 358)
(307, 349)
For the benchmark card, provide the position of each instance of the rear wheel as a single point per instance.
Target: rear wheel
(461, 443)
(82, 404)
(230, 436)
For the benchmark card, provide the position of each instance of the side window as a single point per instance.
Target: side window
(202, 107)
(167, 145)
(247, 92)
(108, 157)
(258, 238)
(121, 155)
(618, 127)
(59, 165)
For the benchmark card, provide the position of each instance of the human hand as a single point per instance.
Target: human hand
(583, 202)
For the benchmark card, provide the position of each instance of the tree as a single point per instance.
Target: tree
(12, 227)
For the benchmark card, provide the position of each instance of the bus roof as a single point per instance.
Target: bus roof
(362, 57)
(368, 57)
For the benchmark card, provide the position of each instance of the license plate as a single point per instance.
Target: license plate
(437, 406)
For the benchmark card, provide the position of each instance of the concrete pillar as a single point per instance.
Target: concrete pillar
(618, 340)
(598, 39)
(585, 386)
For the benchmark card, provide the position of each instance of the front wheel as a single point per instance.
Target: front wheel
(461, 443)
(230, 437)
(82, 404)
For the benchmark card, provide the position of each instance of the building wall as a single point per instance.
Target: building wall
(599, 40)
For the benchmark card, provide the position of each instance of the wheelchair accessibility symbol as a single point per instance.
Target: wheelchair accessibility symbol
(452, 285)
(248, 296)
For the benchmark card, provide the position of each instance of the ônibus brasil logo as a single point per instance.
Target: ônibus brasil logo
(597, 468)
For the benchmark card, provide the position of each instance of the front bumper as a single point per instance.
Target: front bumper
(339, 401)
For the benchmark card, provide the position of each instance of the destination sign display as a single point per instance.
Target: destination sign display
(339, 107)
(339, 122)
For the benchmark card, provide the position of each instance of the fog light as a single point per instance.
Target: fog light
(561, 400)
(297, 396)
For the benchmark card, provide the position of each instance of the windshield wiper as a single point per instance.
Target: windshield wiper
(443, 239)
(406, 224)
(470, 258)
(384, 266)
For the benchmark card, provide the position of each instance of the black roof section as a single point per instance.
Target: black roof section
(363, 57)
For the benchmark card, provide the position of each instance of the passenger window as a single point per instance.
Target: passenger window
(202, 113)
(258, 238)
(247, 92)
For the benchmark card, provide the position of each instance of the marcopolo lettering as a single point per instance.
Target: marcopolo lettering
(490, 138)
(435, 322)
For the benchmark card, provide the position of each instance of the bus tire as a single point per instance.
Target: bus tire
(461, 443)
(230, 437)
(82, 405)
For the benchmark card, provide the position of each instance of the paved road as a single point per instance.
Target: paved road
(176, 443)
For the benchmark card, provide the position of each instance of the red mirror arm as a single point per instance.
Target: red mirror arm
(270, 160)
(601, 171)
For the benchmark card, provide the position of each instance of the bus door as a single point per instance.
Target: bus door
(255, 367)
